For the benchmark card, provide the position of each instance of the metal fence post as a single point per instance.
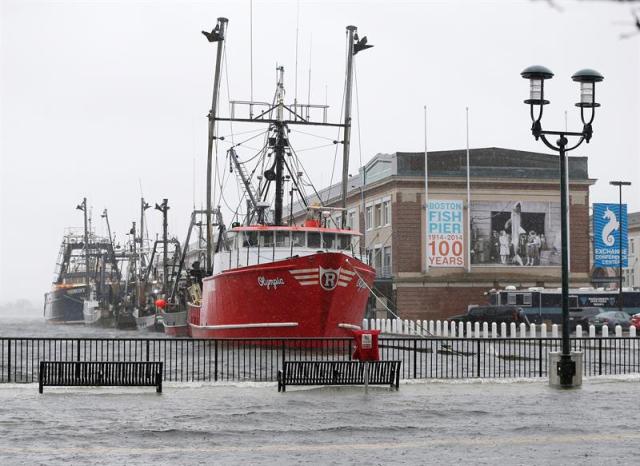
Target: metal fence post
(215, 361)
(415, 358)
(540, 357)
(77, 358)
(600, 356)
(283, 355)
(9, 363)
(147, 349)
(478, 358)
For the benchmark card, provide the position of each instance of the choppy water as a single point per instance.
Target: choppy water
(423, 423)
(36, 326)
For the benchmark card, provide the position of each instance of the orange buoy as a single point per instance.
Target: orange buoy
(161, 303)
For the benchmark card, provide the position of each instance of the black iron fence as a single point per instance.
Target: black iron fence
(187, 360)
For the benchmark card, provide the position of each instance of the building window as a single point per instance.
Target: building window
(369, 218)
(386, 213)
(351, 219)
(377, 260)
(386, 261)
(632, 246)
(378, 215)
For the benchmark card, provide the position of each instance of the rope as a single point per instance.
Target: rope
(311, 134)
(383, 303)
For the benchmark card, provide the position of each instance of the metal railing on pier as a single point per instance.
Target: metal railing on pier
(187, 360)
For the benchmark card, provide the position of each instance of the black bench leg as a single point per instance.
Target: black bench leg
(40, 376)
(158, 382)
(281, 385)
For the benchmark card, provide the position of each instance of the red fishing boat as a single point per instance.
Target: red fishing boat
(273, 276)
(263, 290)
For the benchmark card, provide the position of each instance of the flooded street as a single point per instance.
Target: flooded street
(479, 422)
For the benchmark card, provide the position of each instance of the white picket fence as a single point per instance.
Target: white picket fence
(445, 328)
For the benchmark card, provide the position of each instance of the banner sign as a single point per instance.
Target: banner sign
(609, 224)
(515, 233)
(445, 239)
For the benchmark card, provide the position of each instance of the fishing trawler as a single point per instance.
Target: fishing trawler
(85, 281)
(271, 278)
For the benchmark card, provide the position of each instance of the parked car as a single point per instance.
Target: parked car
(635, 321)
(490, 314)
(611, 319)
(581, 316)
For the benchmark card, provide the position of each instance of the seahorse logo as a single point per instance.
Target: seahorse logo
(611, 226)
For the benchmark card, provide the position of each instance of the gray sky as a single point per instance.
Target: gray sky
(99, 99)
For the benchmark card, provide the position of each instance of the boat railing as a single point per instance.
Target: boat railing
(255, 255)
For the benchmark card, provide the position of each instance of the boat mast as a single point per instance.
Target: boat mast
(351, 30)
(164, 207)
(279, 147)
(217, 35)
(113, 258)
(143, 206)
(83, 208)
(278, 140)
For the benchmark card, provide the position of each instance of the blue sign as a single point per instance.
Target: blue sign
(609, 224)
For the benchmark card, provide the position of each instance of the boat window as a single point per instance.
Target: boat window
(344, 241)
(265, 239)
(329, 241)
(283, 239)
(298, 238)
(511, 298)
(313, 239)
(250, 239)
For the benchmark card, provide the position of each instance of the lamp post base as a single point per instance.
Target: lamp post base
(565, 372)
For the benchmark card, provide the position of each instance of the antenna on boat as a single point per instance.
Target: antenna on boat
(216, 35)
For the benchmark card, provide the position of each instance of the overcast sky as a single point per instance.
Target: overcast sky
(108, 99)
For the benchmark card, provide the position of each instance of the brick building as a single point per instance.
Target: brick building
(509, 236)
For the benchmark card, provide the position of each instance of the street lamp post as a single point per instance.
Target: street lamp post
(620, 184)
(587, 78)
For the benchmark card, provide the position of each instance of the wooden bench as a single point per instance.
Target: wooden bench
(338, 373)
(102, 373)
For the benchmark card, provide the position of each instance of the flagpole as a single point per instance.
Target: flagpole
(468, 199)
(426, 192)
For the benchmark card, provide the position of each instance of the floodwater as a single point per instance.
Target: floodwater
(425, 422)
(35, 326)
